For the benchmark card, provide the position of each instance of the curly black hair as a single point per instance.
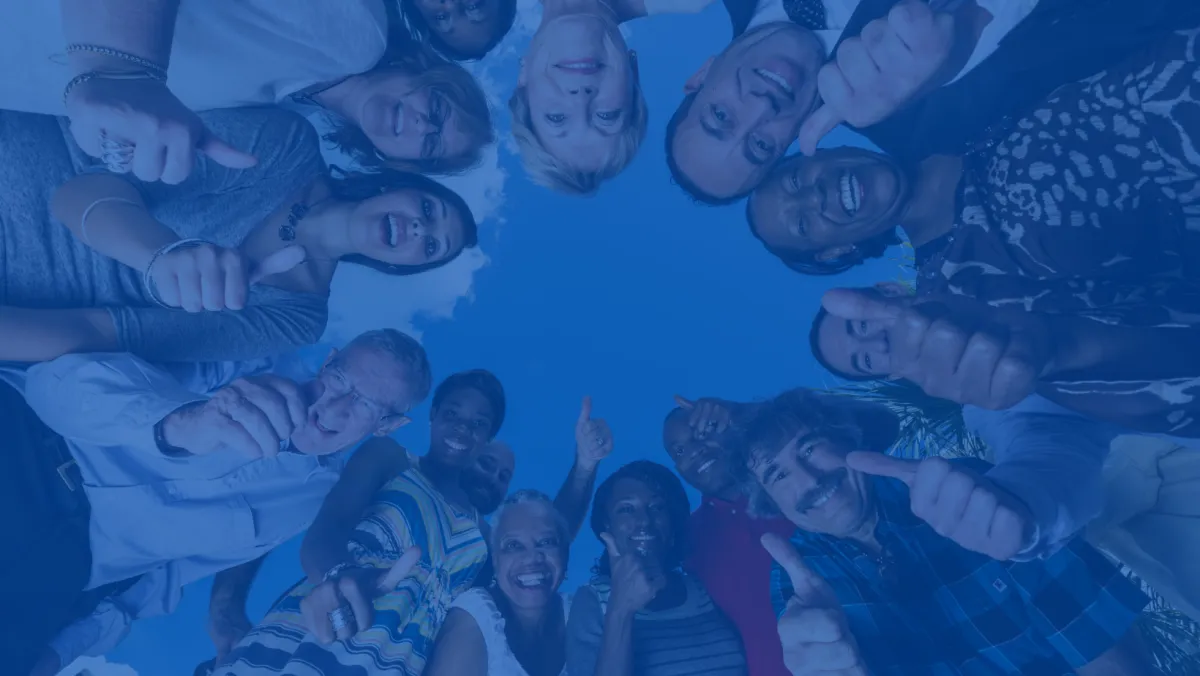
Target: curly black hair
(483, 382)
(659, 479)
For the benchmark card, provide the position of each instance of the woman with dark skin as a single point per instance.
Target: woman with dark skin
(629, 620)
(1086, 215)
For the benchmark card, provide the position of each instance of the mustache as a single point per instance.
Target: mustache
(806, 501)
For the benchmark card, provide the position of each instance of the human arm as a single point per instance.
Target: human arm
(1052, 462)
(586, 630)
(459, 649)
(35, 335)
(593, 443)
(372, 465)
(228, 622)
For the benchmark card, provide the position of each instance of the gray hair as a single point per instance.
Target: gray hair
(777, 422)
(529, 496)
(405, 350)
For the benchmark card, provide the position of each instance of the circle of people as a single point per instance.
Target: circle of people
(170, 230)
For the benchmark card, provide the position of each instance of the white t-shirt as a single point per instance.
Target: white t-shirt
(501, 660)
(225, 54)
(1006, 14)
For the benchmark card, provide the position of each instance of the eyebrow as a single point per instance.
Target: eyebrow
(387, 410)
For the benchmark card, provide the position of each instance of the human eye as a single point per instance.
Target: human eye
(511, 545)
(431, 247)
(718, 114)
(427, 207)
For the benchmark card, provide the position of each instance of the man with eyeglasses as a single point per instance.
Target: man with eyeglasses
(901, 566)
(173, 473)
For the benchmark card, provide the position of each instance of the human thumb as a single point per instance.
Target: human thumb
(808, 588)
(399, 570)
(279, 262)
(224, 154)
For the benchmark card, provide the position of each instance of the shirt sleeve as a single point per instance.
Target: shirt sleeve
(109, 624)
(1079, 601)
(106, 400)
(585, 632)
(1052, 463)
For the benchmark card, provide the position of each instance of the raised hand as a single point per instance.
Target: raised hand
(706, 416)
(593, 438)
(634, 584)
(813, 628)
(214, 278)
(958, 504)
(250, 415)
(956, 349)
(164, 134)
(354, 593)
(874, 74)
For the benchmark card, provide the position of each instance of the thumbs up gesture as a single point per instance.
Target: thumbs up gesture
(213, 278)
(813, 628)
(708, 416)
(353, 594)
(635, 581)
(959, 504)
(593, 438)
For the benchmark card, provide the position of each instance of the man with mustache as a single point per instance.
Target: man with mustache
(877, 578)
(917, 78)
(723, 538)
(177, 472)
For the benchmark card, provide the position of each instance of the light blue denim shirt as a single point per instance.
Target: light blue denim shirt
(1052, 459)
(171, 521)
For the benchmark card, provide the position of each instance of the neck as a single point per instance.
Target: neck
(528, 620)
(439, 474)
(929, 213)
(864, 534)
(322, 230)
(617, 10)
(340, 98)
(728, 494)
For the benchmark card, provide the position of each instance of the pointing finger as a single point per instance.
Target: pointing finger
(857, 304)
(226, 155)
(399, 570)
(810, 589)
(279, 262)
(684, 403)
(610, 545)
(879, 464)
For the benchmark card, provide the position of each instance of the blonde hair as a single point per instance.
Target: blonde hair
(552, 172)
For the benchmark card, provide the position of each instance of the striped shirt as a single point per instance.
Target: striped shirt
(692, 639)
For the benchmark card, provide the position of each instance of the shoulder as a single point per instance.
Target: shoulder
(267, 132)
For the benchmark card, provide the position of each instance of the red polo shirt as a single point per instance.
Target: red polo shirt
(728, 557)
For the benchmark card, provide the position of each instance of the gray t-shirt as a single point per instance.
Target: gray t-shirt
(43, 265)
(692, 639)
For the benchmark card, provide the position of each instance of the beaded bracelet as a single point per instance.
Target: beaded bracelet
(148, 280)
(147, 64)
(110, 75)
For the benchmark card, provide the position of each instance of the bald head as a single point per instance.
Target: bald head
(487, 479)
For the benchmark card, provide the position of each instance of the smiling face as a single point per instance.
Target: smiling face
(360, 391)
(704, 464)
(406, 122)
(467, 26)
(408, 227)
(578, 78)
(529, 555)
(859, 348)
(812, 486)
(829, 202)
(460, 427)
(640, 522)
(488, 478)
(749, 105)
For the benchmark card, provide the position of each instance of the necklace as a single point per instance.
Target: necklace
(287, 231)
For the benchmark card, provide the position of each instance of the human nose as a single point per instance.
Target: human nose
(417, 229)
(810, 198)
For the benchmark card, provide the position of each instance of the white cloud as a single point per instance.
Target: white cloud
(362, 299)
(97, 666)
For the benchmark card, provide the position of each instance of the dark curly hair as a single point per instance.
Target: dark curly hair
(660, 480)
(482, 381)
(420, 31)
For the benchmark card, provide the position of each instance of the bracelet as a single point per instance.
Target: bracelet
(336, 572)
(149, 65)
(88, 212)
(110, 75)
(148, 281)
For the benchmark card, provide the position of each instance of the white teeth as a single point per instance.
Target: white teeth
(579, 66)
(774, 77)
(705, 466)
(643, 538)
(532, 579)
(393, 231)
(825, 495)
(851, 193)
(455, 445)
(399, 119)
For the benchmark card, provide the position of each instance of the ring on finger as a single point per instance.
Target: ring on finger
(116, 154)
(340, 618)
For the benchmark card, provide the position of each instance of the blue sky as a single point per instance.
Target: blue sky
(630, 297)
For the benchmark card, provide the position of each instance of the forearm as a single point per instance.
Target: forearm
(616, 647)
(117, 223)
(231, 587)
(44, 334)
(575, 495)
(143, 28)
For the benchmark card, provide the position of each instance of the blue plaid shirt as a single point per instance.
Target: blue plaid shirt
(932, 608)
